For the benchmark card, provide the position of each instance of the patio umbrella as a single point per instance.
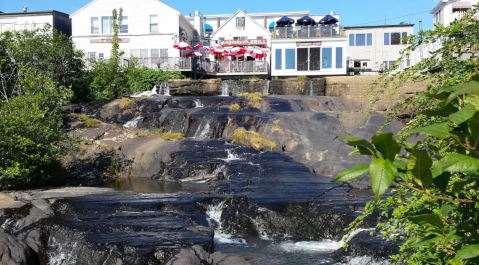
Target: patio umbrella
(238, 50)
(258, 54)
(305, 21)
(182, 46)
(284, 21)
(218, 50)
(198, 46)
(194, 54)
(328, 20)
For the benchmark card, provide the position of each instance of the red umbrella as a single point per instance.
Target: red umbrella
(194, 54)
(182, 46)
(198, 46)
(218, 50)
(238, 50)
(258, 54)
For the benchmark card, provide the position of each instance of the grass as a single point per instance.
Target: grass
(91, 123)
(77, 116)
(244, 80)
(125, 103)
(301, 78)
(172, 136)
(235, 107)
(254, 78)
(144, 133)
(251, 138)
(254, 99)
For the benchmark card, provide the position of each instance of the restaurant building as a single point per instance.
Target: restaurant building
(36, 19)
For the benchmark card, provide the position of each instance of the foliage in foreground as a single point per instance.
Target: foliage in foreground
(37, 68)
(433, 210)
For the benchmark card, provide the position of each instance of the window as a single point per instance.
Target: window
(302, 61)
(370, 39)
(101, 56)
(404, 36)
(221, 38)
(314, 59)
(386, 38)
(95, 25)
(395, 38)
(290, 58)
(164, 53)
(92, 55)
(153, 23)
(351, 39)
(339, 57)
(106, 27)
(360, 39)
(134, 53)
(259, 37)
(328, 57)
(278, 59)
(124, 24)
(240, 22)
(155, 53)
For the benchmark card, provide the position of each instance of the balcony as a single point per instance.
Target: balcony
(231, 67)
(308, 32)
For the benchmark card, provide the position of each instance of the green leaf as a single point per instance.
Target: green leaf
(352, 173)
(442, 112)
(446, 209)
(463, 115)
(423, 219)
(419, 165)
(467, 252)
(442, 180)
(457, 163)
(474, 130)
(382, 173)
(471, 87)
(426, 240)
(386, 145)
(363, 146)
(439, 130)
(473, 100)
(458, 186)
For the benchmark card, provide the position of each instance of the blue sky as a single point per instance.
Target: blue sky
(352, 12)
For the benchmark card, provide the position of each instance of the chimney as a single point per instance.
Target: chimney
(420, 24)
(25, 8)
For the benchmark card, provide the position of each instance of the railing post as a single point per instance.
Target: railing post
(331, 31)
(309, 29)
(342, 31)
(320, 31)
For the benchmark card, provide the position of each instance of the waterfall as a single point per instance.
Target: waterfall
(231, 156)
(310, 88)
(198, 103)
(145, 93)
(266, 88)
(214, 220)
(133, 123)
(167, 89)
(224, 89)
(203, 133)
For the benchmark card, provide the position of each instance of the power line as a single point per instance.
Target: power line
(391, 18)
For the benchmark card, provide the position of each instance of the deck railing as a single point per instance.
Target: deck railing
(308, 32)
(232, 67)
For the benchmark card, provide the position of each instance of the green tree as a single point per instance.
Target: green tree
(37, 69)
(433, 208)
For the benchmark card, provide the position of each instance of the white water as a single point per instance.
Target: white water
(203, 132)
(167, 89)
(145, 93)
(198, 103)
(310, 88)
(366, 260)
(214, 219)
(266, 88)
(133, 123)
(224, 89)
(231, 156)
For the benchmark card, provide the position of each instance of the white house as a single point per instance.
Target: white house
(148, 31)
(376, 47)
(446, 11)
(35, 19)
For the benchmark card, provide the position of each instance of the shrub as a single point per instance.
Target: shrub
(244, 81)
(92, 123)
(251, 138)
(125, 103)
(301, 78)
(77, 116)
(172, 136)
(235, 107)
(254, 99)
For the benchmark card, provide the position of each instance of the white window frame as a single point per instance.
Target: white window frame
(154, 23)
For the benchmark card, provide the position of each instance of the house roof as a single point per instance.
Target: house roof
(85, 6)
(246, 16)
(33, 13)
(297, 13)
(379, 26)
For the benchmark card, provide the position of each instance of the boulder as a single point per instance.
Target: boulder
(13, 251)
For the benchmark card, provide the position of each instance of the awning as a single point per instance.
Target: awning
(462, 5)
(272, 24)
(208, 27)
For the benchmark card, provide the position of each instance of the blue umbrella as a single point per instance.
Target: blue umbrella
(328, 20)
(306, 21)
(284, 21)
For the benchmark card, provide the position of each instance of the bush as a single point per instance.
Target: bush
(235, 107)
(302, 78)
(77, 116)
(92, 123)
(253, 99)
(172, 136)
(251, 138)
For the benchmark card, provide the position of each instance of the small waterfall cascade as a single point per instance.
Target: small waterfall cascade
(167, 89)
(231, 156)
(214, 219)
(311, 88)
(198, 103)
(265, 90)
(164, 89)
(133, 123)
(151, 92)
(224, 89)
(203, 130)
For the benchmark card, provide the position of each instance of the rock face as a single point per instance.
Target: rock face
(13, 251)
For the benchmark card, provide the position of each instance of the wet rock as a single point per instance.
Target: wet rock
(89, 170)
(185, 257)
(365, 244)
(13, 251)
